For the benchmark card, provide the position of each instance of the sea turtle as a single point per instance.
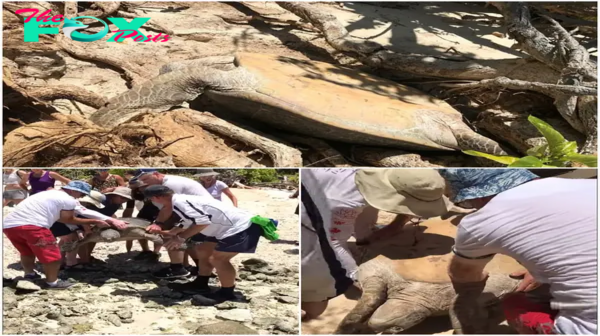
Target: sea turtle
(404, 283)
(135, 230)
(308, 97)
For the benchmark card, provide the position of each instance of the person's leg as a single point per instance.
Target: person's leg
(43, 244)
(15, 236)
(204, 252)
(225, 270)
(176, 269)
(70, 257)
(84, 253)
(143, 244)
(129, 245)
(186, 260)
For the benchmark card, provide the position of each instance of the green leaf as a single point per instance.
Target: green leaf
(538, 151)
(588, 160)
(501, 159)
(556, 142)
(528, 161)
(570, 148)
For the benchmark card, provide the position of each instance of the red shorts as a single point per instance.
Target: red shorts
(527, 316)
(31, 240)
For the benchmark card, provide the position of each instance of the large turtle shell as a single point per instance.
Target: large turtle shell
(339, 103)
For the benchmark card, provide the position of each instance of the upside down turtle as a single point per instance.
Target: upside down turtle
(402, 285)
(308, 97)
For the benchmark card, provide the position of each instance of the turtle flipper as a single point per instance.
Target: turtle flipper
(373, 295)
(396, 316)
(468, 139)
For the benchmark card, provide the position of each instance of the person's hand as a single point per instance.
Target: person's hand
(80, 235)
(174, 243)
(101, 223)
(107, 190)
(154, 228)
(117, 223)
(528, 283)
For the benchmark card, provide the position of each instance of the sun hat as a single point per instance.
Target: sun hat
(156, 190)
(121, 191)
(206, 172)
(468, 184)
(96, 198)
(417, 192)
(81, 186)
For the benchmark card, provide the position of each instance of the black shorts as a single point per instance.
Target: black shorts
(60, 229)
(243, 242)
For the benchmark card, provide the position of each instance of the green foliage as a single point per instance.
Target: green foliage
(556, 152)
(258, 175)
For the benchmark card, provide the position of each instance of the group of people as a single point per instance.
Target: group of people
(548, 225)
(182, 210)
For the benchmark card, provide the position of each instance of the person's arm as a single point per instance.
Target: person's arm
(466, 271)
(23, 176)
(192, 221)
(60, 178)
(68, 217)
(24, 180)
(80, 210)
(340, 227)
(120, 181)
(231, 196)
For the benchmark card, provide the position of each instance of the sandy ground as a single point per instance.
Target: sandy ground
(122, 286)
(417, 254)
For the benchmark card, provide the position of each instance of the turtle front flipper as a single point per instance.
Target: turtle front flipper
(373, 295)
(171, 88)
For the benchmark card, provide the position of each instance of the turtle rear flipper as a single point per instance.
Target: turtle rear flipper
(469, 140)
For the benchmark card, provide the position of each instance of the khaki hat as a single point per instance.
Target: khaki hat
(121, 191)
(417, 192)
(96, 198)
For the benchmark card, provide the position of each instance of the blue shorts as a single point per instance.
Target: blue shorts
(243, 242)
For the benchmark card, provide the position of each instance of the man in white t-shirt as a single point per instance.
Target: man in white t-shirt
(549, 226)
(337, 203)
(227, 230)
(28, 228)
(180, 185)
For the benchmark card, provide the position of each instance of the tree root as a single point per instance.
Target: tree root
(376, 56)
(282, 154)
(71, 92)
(73, 139)
(547, 89)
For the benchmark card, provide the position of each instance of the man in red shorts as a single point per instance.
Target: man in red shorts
(28, 229)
